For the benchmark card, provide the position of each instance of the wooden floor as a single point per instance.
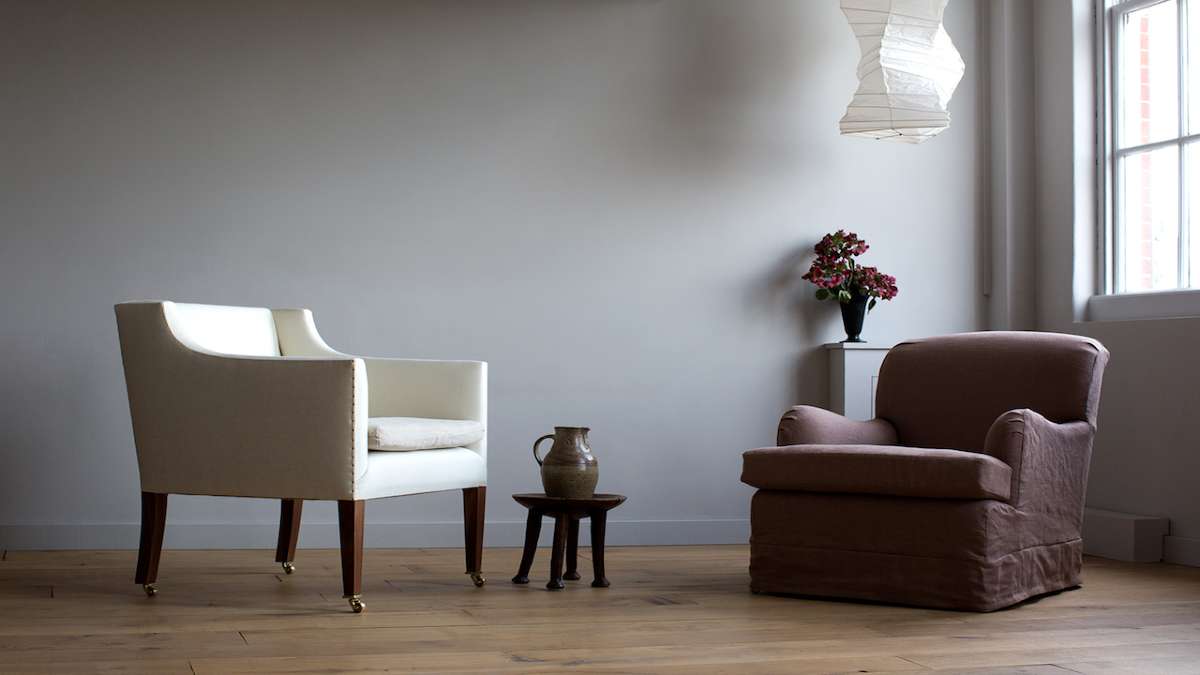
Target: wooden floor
(670, 609)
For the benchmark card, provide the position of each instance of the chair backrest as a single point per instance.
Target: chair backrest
(244, 331)
(945, 392)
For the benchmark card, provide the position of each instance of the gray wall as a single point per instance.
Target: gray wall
(1146, 458)
(606, 199)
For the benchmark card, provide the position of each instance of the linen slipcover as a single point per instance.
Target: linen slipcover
(857, 509)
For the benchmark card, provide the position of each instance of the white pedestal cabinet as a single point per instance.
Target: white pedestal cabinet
(853, 372)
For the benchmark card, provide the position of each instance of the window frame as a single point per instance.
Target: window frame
(1113, 303)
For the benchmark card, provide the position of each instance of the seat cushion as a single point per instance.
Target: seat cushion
(421, 433)
(391, 474)
(878, 470)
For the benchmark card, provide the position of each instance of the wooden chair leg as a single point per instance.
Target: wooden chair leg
(474, 503)
(154, 522)
(556, 554)
(572, 573)
(350, 526)
(533, 529)
(289, 533)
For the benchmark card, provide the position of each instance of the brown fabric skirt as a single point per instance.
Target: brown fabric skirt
(972, 555)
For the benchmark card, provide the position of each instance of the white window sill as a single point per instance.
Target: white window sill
(1135, 306)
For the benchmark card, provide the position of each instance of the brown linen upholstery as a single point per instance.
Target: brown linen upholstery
(946, 553)
(878, 470)
(805, 424)
(945, 392)
(991, 519)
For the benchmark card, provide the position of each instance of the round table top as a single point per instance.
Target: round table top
(599, 500)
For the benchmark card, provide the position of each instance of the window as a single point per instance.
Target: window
(1152, 237)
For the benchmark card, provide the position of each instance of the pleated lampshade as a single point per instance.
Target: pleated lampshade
(908, 71)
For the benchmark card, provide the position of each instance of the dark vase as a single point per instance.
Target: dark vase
(853, 313)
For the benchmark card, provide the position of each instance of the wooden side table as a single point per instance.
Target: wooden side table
(566, 513)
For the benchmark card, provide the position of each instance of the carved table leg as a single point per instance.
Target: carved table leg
(598, 521)
(533, 528)
(572, 573)
(556, 555)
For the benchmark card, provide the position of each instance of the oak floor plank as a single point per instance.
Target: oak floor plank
(670, 610)
(1131, 652)
(432, 662)
(22, 650)
(147, 666)
(1164, 665)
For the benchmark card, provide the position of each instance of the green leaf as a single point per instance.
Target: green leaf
(822, 294)
(844, 296)
(871, 304)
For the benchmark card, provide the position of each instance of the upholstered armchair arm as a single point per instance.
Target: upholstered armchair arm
(217, 424)
(421, 388)
(1049, 461)
(809, 425)
(401, 387)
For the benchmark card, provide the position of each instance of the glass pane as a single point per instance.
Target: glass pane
(1149, 239)
(1192, 153)
(1193, 66)
(1149, 72)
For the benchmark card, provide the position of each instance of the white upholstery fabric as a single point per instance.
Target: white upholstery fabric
(246, 331)
(217, 411)
(405, 434)
(406, 473)
(254, 426)
(452, 390)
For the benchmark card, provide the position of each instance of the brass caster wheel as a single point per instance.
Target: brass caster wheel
(478, 579)
(151, 591)
(356, 604)
(289, 568)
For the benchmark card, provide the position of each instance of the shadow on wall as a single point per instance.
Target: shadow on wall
(737, 90)
(781, 290)
(743, 87)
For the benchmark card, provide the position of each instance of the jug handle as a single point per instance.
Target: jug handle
(535, 447)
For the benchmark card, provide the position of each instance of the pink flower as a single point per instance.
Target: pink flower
(835, 269)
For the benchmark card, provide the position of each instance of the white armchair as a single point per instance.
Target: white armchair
(251, 402)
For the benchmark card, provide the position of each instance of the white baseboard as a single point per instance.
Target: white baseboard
(1123, 536)
(1181, 550)
(377, 535)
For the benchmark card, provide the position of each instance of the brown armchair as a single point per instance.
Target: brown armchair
(965, 493)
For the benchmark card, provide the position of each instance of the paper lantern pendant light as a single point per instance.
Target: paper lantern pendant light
(908, 71)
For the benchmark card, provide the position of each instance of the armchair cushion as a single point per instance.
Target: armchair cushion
(403, 434)
(409, 473)
(878, 470)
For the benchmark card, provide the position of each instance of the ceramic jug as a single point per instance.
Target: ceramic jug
(569, 470)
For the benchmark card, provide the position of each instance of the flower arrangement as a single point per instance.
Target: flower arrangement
(839, 277)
